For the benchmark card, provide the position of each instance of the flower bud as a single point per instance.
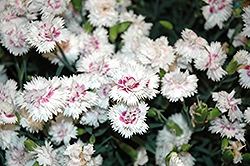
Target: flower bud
(174, 127)
(29, 144)
(227, 156)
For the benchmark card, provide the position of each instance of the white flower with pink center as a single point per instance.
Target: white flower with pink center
(244, 74)
(246, 20)
(43, 98)
(212, 59)
(216, 12)
(102, 12)
(226, 103)
(157, 54)
(80, 98)
(132, 83)
(14, 38)
(53, 7)
(8, 133)
(177, 85)
(62, 129)
(97, 66)
(7, 102)
(97, 41)
(46, 33)
(228, 128)
(242, 57)
(128, 120)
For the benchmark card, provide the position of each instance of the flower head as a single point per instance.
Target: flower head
(212, 59)
(228, 128)
(216, 12)
(244, 74)
(42, 98)
(226, 103)
(247, 115)
(177, 85)
(246, 18)
(133, 82)
(62, 129)
(54, 7)
(128, 120)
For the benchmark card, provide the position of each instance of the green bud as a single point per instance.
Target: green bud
(227, 156)
(201, 113)
(168, 157)
(151, 112)
(36, 164)
(246, 157)
(88, 27)
(237, 12)
(232, 67)
(174, 127)
(213, 114)
(77, 5)
(185, 147)
(166, 24)
(81, 131)
(224, 143)
(29, 144)
(92, 139)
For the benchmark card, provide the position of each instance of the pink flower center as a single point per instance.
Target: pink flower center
(102, 68)
(128, 84)
(129, 117)
(54, 4)
(49, 34)
(248, 70)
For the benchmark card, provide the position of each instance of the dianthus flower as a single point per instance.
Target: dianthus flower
(128, 120)
(158, 54)
(132, 83)
(246, 20)
(8, 133)
(216, 12)
(62, 129)
(102, 12)
(228, 128)
(212, 59)
(226, 103)
(46, 33)
(53, 7)
(244, 74)
(177, 85)
(43, 98)
(247, 115)
(80, 96)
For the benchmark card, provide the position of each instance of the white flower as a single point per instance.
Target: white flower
(45, 33)
(102, 12)
(14, 38)
(97, 66)
(247, 115)
(7, 102)
(80, 98)
(132, 83)
(177, 85)
(16, 155)
(242, 57)
(42, 98)
(128, 120)
(156, 53)
(62, 130)
(228, 128)
(8, 133)
(3, 75)
(54, 7)
(103, 96)
(226, 103)
(246, 20)
(212, 59)
(167, 138)
(142, 157)
(216, 12)
(175, 160)
(97, 41)
(45, 155)
(94, 117)
(244, 74)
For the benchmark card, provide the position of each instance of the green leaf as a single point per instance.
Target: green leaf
(77, 5)
(151, 112)
(36, 164)
(246, 157)
(88, 27)
(166, 24)
(113, 33)
(174, 127)
(185, 147)
(224, 143)
(213, 114)
(100, 131)
(89, 129)
(123, 26)
(227, 156)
